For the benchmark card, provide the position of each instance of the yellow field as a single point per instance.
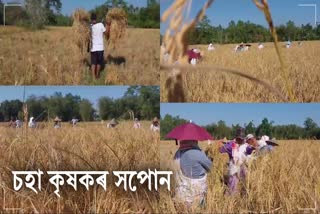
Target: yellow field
(288, 181)
(51, 57)
(211, 85)
(90, 146)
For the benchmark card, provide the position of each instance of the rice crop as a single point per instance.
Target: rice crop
(285, 181)
(89, 146)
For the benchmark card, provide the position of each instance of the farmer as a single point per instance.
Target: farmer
(262, 146)
(74, 122)
(57, 123)
(155, 126)
(191, 164)
(193, 56)
(211, 47)
(136, 124)
(32, 123)
(288, 45)
(237, 150)
(260, 46)
(18, 123)
(113, 123)
(12, 123)
(98, 30)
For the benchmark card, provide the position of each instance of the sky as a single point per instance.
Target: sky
(207, 113)
(68, 6)
(92, 93)
(223, 11)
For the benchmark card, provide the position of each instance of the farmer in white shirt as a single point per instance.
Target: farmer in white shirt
(136, 124)
(155, 126)
(98, 30)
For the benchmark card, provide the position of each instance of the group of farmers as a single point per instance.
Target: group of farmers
(155, 125)
(192, 165)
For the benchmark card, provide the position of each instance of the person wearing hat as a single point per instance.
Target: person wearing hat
(263, 145)
(191, 164)
(32, 123)
(74, 121)
(57, 123)
(155, 126)
(237, 151)
(113, 123)
(136, 123)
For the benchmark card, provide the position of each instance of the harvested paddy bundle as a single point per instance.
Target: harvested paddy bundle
(119, 21)
(81, 29)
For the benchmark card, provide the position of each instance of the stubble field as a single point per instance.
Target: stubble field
(51, 57)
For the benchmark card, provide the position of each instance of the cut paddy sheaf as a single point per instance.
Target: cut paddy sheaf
(59, 55)
(217, 78)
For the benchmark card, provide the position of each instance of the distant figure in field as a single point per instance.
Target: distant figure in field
(288, 45)
(74, 122)
(155, 126)
(98, 30)
(113, 123)
(18, 123)
(242, 47)
(211, 47)
(300, 43)
(12, 123)
(57, 123)
(136, 124)
(193, 56)
(32, 123)
(260, 46)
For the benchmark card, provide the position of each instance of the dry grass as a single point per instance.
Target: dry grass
(90, 146)
(215, 86)
(52, 57)
(286, 181)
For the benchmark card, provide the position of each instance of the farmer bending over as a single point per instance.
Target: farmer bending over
(98, 30)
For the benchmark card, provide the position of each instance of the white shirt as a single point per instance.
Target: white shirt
(155, 128)
(97, 31)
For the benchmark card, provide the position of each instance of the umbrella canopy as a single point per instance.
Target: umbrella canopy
(189, 131)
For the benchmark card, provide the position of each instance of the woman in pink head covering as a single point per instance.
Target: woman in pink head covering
(192, 165)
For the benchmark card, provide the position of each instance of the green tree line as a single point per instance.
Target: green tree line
(38, 13)
(248, 32)
(220, 129)
(143, 101)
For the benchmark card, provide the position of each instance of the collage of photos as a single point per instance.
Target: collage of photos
(159, 106)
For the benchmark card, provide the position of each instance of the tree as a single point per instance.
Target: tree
(42, 12)
(250, 128)
(1, 12)
(10, 109)
(105, 108)
(86, 110)
(310, 128)
(265, 128)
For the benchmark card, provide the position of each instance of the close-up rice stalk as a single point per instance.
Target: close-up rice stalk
(217, 78)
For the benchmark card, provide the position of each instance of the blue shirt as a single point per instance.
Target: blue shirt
(193, 162)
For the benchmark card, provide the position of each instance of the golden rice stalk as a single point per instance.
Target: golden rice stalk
(119, 22)
(81, 29)
(176, 43)
(264, 7)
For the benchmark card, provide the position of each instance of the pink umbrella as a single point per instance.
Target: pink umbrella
(189, 131)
